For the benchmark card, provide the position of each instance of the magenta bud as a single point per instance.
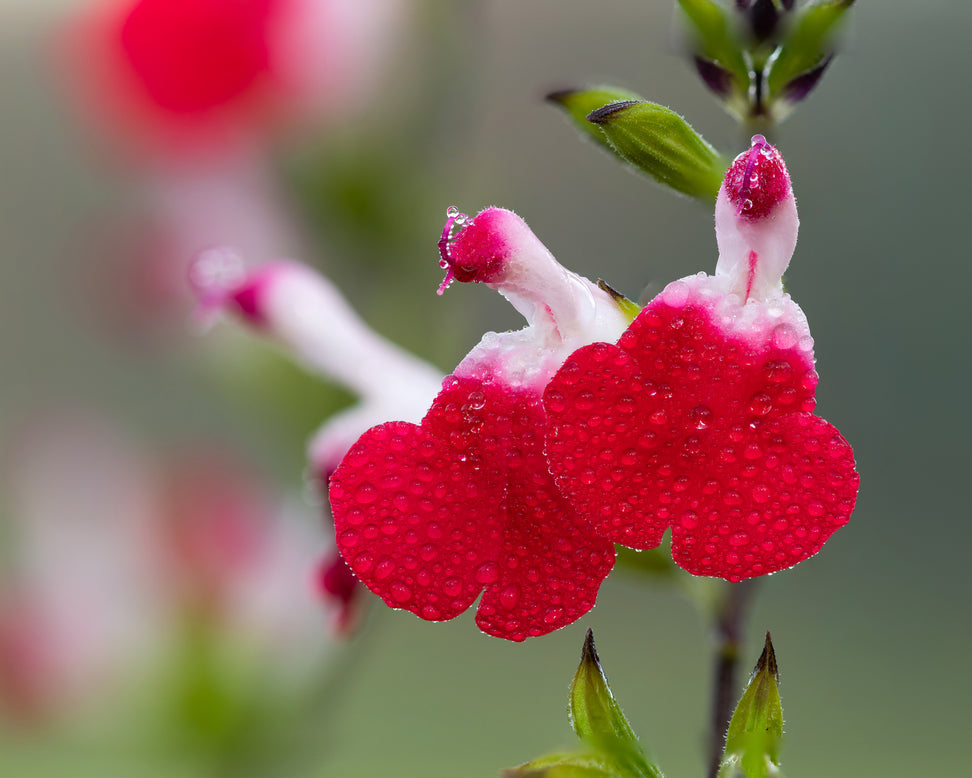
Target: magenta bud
(757, 180)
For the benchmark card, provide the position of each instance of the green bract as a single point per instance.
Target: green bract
(756, 728)
(659, 142)
(613, 750)
(809, 42)
(578, 103)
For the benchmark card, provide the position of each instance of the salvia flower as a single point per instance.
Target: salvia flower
(431, 515)
(189, 76)
(700, 418)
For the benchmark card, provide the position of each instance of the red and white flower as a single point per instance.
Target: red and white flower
(432, 515)
(700, 418)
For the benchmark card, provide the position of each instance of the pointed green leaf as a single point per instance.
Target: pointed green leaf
(597, 718)
(565, 766)
(756, 728)
(809, 41)
(578, 103)
(659, 142)
(628, 308)
(715, 38)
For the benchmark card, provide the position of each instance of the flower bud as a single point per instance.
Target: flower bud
(756, 222)
(579, 103)
(659, 142)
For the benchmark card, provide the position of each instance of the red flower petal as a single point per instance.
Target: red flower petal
(428, 516)
(683, 426)
(194, 55)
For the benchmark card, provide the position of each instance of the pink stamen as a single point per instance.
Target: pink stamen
(745, 191)
(453, 219)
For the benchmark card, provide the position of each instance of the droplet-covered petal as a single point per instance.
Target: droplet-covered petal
(429, 516)
(709, 432)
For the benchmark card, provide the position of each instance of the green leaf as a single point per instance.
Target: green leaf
(659, 142)
(628, 308)
(809, 40)
(597, 718)
(715, 38)
(756, 728)
(578, 103)
(577, 765)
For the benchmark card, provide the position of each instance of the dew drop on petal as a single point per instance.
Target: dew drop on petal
(739, 539)
(487, 573)
(366, 494)
(401, 593)
(452, 587)
(509, 597)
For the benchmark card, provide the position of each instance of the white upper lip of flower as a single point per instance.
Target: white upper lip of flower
(564, 311)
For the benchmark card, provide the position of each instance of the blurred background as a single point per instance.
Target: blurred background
(158, 539)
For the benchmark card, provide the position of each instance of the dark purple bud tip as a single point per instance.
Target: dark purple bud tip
(560, 96)
(715, 77)
(798, 88)
(757, 180)
(763, 19)
(603, 114)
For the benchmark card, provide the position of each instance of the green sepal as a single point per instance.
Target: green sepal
(598, 720)
(659, 142)
(809, 40)
(578, 103)
(628, 307)
(573, 765)
(716, 39)
(756, 728)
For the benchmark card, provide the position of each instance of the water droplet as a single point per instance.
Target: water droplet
(739, 539)
(778, 371)
(385, 568)
(700, 417)
(648, 439)
(747, 204)
(452, 587)
(553, 615)
(659, 417)
(761, 493)
(753, 451)
(366, 494)
(689, 520)
(363, 562)
(509, 597)
(760, 404)
(401, 593)
(487, 573)
(452, 212)
(584, 401)
(784, 336)
(555, 402)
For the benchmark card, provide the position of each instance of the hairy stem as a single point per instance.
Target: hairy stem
(729, 623)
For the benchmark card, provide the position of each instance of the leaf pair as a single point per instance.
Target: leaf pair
(612, 750)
